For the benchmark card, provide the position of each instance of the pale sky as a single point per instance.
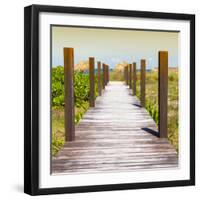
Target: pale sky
(112, 46)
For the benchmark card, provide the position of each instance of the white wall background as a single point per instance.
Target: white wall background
(11, 98)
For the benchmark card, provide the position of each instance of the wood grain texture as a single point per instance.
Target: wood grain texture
(117, 135)
(126, 75)
(104, 76)
(134, 78)
(108, 73)
(163, 92)
(69, 94)
(92, 83)
(142, 83)
(99, 78)
(130, 75)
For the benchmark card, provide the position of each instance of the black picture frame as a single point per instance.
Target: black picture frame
(31, 98)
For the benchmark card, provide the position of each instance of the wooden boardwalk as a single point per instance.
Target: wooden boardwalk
(116, 135)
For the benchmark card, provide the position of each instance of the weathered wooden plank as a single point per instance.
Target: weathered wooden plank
(122, 136)
(110, 126)
(113, 138)
(69, 94)
(125, 169)
(97, 169)
(87, 164)
(163, 92)
(106, 152)
(134, 148)
(125, 157)
(127, 163)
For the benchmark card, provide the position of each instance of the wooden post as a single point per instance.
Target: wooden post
(134, 78)
(105, 71)
(107, 74)
(99, 78)
(103, 76)
(126, 75)
(130, 75)
(163, 92)
(69, 94)
(142, 83)
(92, 86)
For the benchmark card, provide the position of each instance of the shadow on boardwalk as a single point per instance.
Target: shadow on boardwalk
(116, 135)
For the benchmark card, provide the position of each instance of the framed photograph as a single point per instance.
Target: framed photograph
(109, 99)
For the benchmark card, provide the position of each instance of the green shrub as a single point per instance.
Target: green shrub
(81, 87)
(81, 98)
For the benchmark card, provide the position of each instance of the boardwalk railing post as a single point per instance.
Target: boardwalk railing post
(134, 78)
(126, 75)
(108, 74)
(128, 67)
(69, 94)
(163, 92)
(104, 75)
(99, 78)
(92, 86)
(142, 83)
(103, 81)
(106, 71)
(130, 75)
